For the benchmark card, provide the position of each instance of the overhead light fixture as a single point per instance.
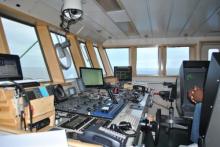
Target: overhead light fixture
(71, 13)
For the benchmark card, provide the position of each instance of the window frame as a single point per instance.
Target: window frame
(87, 52)
(100, 58)
(39, 41)
(66, 80)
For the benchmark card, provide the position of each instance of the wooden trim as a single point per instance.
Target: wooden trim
(75, 51)
(91, 52)
(77, 143)
(105, 61)
(209, 42)
(133, 59)
(50, 54)
(162, 60)
(3, 41)
(192, 52)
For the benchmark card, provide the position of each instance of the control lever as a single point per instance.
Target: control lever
(112, 96)
(153, 126)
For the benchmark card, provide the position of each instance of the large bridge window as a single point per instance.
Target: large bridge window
(99, 59)
(85, 54)
(65, 58)
(147, 61)
(22, 41)
(175, 57)
(118, 56)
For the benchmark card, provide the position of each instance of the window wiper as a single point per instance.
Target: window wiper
(25, 52)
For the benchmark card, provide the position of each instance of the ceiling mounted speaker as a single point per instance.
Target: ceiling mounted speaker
(71, 13)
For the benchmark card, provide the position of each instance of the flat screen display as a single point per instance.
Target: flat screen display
(10, 67)
(123, 73)
(92, 77)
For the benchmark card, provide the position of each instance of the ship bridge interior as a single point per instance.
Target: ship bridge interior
(109, 73)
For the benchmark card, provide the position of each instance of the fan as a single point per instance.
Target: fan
(64, 55)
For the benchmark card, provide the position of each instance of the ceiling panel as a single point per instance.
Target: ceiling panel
(211, 27)
(109, 5)
(160, 12)
(182, 11)
(203, 12)
(151, 18)
(137, 10)
(88, 33)
(119, 16)
(94, 27)
(77, 28)
(25, 5)
(57, 4)
(46, 13)
(83, 30)
(98, 15)
(90, 6)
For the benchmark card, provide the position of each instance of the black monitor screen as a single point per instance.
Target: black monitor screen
(10, 67)
(192, 73)
(92, 77)
(123, 73)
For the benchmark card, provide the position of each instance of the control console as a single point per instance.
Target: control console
(100, 106)
(104, 136)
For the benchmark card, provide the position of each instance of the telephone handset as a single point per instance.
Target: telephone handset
(140, 88)
(59, 93)
(103, 136)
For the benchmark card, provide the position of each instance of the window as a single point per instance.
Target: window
(147, 61)
(175, 57)
(65, 58)
(118, 56)
(23, 41)
(210, 53)
(99, 59)
(85, 54)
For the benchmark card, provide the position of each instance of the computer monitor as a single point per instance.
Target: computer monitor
(10, 68)
(92, 77)
(123, 73)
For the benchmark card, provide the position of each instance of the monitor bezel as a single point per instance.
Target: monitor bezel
(123, 80)
(90, 86)
(18, 64)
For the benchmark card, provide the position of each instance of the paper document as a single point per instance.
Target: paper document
(42, 139)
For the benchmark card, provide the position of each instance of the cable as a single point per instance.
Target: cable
(23, 95)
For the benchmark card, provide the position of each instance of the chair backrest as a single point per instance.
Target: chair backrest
(192, 73)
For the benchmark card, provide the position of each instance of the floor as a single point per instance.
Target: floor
(174, 138)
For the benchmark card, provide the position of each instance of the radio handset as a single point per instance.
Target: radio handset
(140, 88)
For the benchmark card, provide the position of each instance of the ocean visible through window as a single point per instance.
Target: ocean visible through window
(175, 57)
(22, 41)
(118, 56)
(147, 61)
